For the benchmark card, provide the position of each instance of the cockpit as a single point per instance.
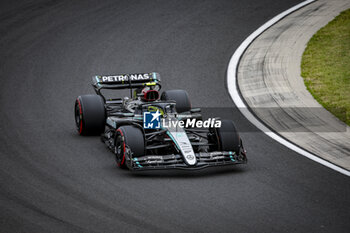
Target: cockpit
(165, 109)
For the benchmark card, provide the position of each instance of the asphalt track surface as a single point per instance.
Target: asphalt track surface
(53, 180)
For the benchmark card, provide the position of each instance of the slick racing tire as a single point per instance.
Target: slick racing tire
(227, 137)
(90, 114)
(181, 98)
(129, 140)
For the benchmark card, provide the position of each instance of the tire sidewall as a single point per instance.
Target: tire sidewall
(92, 115)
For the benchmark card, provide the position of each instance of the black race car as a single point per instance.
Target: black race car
(149, 131)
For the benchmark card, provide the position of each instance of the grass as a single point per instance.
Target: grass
(325, 66)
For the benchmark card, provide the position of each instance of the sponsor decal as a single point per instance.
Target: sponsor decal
(155, 157)
(185, 145)
(125, 78)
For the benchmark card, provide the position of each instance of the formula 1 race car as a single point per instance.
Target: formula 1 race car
(149, 131)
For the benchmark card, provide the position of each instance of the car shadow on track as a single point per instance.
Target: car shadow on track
(213, 171)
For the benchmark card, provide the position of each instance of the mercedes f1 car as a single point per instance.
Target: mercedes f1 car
(149, 131)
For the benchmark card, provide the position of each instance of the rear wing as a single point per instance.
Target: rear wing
(124, 81)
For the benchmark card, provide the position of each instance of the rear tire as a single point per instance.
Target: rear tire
(183, 103)
(128, 138)
(90, 114)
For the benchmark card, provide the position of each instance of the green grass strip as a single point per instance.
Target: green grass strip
(325, 66)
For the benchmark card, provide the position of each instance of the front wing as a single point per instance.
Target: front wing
(175, 161)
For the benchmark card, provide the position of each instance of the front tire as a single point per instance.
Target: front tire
(129, 143)
(227, 137)
(183, 103)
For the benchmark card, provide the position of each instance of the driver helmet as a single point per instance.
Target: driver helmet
(150, 92)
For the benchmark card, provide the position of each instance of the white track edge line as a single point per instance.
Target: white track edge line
(233, 90)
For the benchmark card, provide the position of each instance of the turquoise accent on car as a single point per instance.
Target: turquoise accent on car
(231, 157)
(98, 84)
(137, 162)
